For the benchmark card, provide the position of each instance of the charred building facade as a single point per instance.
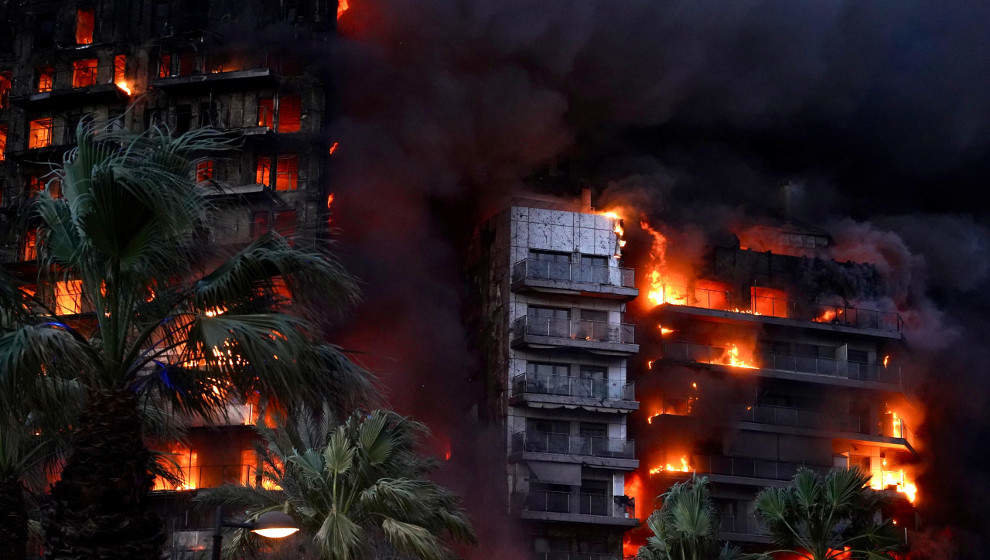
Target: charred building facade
(553, 301)
(179, 65)
(754, 367)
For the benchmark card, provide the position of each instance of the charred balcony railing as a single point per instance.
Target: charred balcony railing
(771, 306)
(717, 355)
(751, 467)
(803, 418)
(63, 80)
(566, 444)
(591, 331)
(584, 503)
(567, 386)
(575, 556)
(574, 272)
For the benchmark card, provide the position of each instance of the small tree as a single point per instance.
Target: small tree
(828, 517)
(358, 489)
(686, 526)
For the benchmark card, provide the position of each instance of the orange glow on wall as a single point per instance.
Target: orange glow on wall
(3, 142)
(6, 82)
(289, 113)
(85, 22)
(40, 133)
(30, 251)
(185, 467)
(287, 173)
(768, 301)
(84, 72)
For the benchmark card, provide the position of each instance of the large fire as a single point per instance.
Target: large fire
(685, 466)
(895, 479)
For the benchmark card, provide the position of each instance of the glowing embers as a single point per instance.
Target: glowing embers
(684, 467)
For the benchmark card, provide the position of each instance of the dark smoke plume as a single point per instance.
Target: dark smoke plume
(879, 110)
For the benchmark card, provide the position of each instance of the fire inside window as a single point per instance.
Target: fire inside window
(30, 251)
(40, 133)
(266, 112)
(35, 185)
(3, 142)
(287, 173)
(184, 464)
(164, 66)
(84, 72)
(68, 297)
(767, 301)
(46, 79)
(5, 83)
(85, 21)
(204, 171)
(289, 113)
(120, 68)
(263, 173)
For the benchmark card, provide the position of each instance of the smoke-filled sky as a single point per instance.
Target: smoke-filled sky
(878, 113)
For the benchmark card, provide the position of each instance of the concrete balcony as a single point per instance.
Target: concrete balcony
(744, 470)
(576, 507)
(596, 451)
(255, 69)
(797, 368)
(69, 88)
(597, 337)
(724, 305)
(556, 391)
(574, 279)
(834, 425)
(210, 476)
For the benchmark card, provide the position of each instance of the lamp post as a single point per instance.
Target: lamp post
(271, 525)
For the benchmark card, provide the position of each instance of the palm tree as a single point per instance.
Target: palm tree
(173, 322)
(686, 526)
(359, 488)
(828, 517)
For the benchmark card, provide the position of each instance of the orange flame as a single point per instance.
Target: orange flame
(342, 6)
(329, 208)
(664, 330)
(898, 480)
(732, 358)
(125, 88)
(333, 148)
(684, 467)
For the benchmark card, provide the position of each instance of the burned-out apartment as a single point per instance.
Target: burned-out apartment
(178, 65)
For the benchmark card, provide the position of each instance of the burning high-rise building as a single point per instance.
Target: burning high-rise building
(238, 67)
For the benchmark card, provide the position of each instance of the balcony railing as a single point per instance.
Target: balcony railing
(584, 503)
(210, 476)
(770, 306)
(700, 353)
(567, 386)
(535, 269)
(802, 418)
(591, 446)
(749, 467)
(746, 525)
(591, 331)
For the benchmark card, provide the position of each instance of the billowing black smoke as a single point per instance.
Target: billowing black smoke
(878, 110)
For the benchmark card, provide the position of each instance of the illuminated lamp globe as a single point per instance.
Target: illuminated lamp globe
(274, 525)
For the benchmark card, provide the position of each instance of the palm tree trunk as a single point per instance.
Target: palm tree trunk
(14, 520)
(101, 506)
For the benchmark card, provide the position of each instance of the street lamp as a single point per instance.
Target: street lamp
(271, 525)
